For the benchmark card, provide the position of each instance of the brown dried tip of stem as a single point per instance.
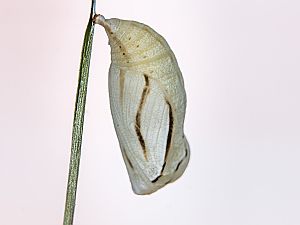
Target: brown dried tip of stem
(99, 19)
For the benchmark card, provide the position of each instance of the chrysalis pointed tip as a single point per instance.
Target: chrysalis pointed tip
(99, 19)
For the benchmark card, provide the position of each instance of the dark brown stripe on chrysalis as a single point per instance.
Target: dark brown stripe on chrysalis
(163, 167)
(169, 140)
(169, 137)
(138, 116)
(177, 167)
(161, 173)
(156, 179)
(186, 154)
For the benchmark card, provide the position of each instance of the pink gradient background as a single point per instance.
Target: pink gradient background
(240, 62)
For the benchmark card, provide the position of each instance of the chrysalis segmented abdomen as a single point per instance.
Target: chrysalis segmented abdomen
(148, 102)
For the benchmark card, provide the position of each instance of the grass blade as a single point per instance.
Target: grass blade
(79, 120)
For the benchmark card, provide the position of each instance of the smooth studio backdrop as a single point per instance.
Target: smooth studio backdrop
(240, 62)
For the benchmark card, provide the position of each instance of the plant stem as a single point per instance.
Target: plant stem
(79, 120)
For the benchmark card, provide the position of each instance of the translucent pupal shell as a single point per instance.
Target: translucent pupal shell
(148, 102)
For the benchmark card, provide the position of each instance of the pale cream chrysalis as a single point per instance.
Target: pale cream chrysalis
(148, 102)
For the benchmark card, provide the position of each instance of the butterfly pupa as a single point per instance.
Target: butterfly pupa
(148, 103)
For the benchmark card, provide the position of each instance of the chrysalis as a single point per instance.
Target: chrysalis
(148, 102)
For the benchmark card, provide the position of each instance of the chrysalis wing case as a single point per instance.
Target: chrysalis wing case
(148, 101)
